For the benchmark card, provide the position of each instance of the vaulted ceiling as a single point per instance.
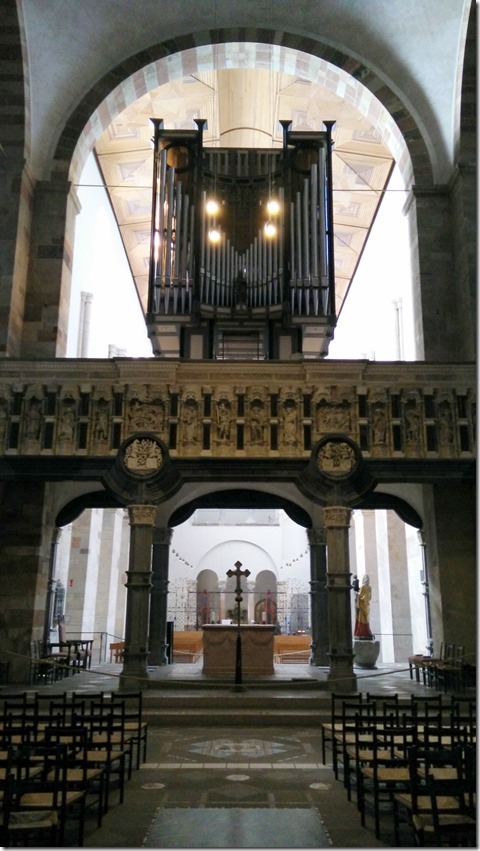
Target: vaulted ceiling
(243, 108)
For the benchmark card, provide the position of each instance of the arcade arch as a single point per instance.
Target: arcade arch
(200, 553)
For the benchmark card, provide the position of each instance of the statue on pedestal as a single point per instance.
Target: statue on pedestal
(362, 619)
(365, 648)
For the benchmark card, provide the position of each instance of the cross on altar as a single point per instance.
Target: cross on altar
(238, 599)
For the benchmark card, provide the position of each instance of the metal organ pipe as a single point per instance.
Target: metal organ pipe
(305, 231)
(322, 221)
(314, 222)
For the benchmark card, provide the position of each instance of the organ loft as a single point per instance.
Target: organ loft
(241, 263)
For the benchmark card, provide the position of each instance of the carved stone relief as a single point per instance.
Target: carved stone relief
(189, 420)
(333, 414)
(445, 426)
(289, 435)
(257, 417)
(378, 428)
(223, 419)
(101, 421)
(143, 457)
(412, 425)
(67, 421)
(336, 458)
(146, 411)
(33, 417)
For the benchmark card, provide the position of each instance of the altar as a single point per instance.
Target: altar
(219, 649)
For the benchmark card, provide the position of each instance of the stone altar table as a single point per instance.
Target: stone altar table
(219, 648)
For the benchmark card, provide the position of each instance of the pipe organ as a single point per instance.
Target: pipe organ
(241, 247)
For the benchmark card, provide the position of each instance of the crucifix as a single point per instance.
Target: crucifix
(238, 599)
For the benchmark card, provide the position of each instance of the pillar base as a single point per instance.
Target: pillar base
(341, 677)
(131, 682)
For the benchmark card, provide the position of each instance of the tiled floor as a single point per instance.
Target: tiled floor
(198, 782)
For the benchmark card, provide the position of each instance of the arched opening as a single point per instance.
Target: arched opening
(268, 535)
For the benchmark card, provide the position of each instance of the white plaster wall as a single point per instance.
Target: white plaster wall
(92, 568)
(415, 591)
(384, 596)
(282, 549)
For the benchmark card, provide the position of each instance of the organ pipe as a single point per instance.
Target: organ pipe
(184, 261)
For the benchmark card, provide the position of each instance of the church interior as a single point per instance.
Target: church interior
(237, 407)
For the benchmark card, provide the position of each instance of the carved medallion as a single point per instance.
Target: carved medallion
(143, 457)
(336, 458)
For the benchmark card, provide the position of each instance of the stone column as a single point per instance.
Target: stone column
(318, 596)
(341, 675)
(158, 598)
(142, 519)
(52, 584)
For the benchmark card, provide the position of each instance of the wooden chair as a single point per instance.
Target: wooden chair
(24, 827)
(386, 771)
(327, 728)
(119, 737)
(134, 723)
(103, 752)
(48, 790)
(449, 673)
(344, 731)
(449, 820)
(116, 651)
(415, 800)
(80, 774)
(41, 668)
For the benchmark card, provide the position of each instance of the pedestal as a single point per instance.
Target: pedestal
(365, 652)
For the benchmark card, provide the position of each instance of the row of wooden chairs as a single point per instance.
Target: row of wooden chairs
(34, 709)
(102, 737)
(46, 787)
(52, 662)
(370, 738)
(446, 672)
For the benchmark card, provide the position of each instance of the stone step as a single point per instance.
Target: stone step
(239, 702)
(234, 717)
(238, 707)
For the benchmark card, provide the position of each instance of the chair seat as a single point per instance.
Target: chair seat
(386, 775)
(425, 822)
(46, 799)
(27, 820)
(424, 801)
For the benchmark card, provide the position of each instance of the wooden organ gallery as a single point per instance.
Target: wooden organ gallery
(242, 247)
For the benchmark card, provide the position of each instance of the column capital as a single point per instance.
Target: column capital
(316, 537)
(162, 535)
(337, 516)
(142, 515)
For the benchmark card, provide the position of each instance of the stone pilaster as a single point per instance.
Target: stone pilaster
(448, 332)
(45, 326)
(341, 676)
(159, 595)
(318, 596)
(142, 519)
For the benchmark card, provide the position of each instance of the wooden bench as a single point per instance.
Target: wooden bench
(292, 649)
(187, 646)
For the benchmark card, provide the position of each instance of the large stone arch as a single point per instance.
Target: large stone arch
(183, 55)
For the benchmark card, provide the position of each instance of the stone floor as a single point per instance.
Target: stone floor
(197, 783)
